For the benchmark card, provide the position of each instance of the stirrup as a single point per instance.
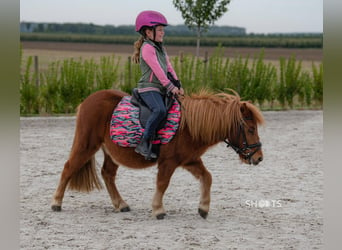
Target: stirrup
(149, 154)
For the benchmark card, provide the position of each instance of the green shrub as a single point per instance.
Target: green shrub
(318, 83)
(107, 75)
(262, 78)
(50, 89)
(305, 93)
(289, 80)
(65, 84)
(29, 91)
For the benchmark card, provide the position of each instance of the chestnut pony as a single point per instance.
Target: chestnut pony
(206, 120)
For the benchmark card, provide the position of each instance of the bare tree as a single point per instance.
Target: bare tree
(199, 14)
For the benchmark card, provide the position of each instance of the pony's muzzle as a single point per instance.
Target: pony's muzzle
(256, 161)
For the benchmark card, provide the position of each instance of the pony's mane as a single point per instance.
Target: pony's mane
(209, 116)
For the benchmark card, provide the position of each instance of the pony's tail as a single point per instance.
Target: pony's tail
(86, 178)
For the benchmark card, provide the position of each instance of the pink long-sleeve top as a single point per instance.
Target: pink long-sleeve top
(155, 64)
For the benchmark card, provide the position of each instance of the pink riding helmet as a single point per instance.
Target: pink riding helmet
(149, 18)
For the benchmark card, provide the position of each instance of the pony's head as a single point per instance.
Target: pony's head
(212, 118)
(243, 122)
(243, 137)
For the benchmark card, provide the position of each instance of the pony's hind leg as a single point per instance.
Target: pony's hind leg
(197, 169)
(56, 204)
(79, 172)
(108, 173)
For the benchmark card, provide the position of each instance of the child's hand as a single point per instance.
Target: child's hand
(175, 91)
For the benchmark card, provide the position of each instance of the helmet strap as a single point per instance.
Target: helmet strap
(153, 28)
(154, 33)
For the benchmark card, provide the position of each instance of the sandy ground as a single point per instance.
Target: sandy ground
(275, 205)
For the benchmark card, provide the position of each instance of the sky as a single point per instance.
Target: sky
(256, 16)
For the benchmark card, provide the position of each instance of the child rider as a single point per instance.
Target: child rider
(155, 65)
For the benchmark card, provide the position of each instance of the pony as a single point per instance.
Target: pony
(206, 119)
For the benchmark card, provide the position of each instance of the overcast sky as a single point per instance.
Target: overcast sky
(257, 16)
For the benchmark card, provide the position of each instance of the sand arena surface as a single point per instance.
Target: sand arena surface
(275, 205)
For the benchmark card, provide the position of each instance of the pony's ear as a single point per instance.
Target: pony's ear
(243, 108)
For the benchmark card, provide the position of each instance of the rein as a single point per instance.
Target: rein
(246, 146)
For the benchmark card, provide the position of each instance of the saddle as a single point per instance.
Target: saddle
(145, 112)
(128, 119)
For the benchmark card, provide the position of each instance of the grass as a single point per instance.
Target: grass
(67, 77)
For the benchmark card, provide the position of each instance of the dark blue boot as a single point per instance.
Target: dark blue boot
(145, 149)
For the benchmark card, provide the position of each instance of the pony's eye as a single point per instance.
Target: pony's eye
(251, 130)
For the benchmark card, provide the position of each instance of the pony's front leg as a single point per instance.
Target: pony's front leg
(165, 172)
(200, 172)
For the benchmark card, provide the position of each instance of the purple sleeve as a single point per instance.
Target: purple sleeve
(149, 55)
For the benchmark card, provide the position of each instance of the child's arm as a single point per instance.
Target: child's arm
(150, 57)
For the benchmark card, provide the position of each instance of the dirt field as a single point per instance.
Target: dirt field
(270, 53)
(275, 205)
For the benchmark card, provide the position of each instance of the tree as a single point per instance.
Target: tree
(199, 14)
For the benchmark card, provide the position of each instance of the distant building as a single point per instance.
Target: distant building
(31, 27)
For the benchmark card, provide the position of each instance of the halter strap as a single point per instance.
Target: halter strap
(246, 146)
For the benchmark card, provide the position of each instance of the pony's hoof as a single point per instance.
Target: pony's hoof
(125, 209)
(161, 216)
(203, 213)
(56, 208)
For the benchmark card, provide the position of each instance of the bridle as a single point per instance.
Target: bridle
(245, 146)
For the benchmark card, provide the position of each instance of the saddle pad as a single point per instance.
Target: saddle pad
(125, 128)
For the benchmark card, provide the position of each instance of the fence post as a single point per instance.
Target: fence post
(205, 71)
(206, 57)
(36, 70)
(129, 71)
(181, 59)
